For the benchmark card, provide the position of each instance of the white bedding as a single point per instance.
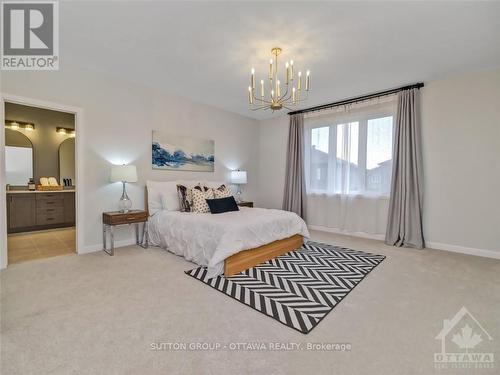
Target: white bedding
(207, 239)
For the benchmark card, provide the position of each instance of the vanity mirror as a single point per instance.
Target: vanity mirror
(67, 162)
(18, 158)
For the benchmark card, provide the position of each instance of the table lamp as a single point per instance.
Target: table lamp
(238, 178)
(124, 173)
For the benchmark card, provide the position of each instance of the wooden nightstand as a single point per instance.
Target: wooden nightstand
(245, 204)
(111, 219)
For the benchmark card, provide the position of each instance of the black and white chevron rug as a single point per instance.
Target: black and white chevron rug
(298, 288)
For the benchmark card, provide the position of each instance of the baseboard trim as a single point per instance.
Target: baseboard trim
(429, 244)
(463, 250)
(98, 247)
(371, 236)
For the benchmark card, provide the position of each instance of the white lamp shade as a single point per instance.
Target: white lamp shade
(239, 177)
(123, 173)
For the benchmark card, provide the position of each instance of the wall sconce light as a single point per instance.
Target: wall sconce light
(19, 125)
(67, 131)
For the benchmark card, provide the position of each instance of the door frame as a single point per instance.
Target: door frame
(78, 112)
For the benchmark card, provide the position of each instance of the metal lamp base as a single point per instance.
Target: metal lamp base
(238, 195)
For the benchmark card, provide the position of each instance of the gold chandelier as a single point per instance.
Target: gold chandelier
(278, 97)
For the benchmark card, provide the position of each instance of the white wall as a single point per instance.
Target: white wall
(461, 148)
(118, 120)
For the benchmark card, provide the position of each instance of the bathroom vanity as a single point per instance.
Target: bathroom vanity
(37, 210)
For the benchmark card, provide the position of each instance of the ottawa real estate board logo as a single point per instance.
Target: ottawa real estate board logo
(465, 344)
(30, 35)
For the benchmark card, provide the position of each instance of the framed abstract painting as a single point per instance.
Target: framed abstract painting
(182, 153)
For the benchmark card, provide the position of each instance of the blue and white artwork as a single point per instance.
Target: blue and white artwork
(181, 153)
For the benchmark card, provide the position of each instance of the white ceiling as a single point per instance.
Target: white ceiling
(204, 51)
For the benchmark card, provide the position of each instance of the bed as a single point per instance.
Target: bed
(225, 243)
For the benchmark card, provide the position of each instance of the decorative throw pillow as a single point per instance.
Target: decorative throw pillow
(222, 192)
(185, 198)
(221, 205)
(200, 196)
(185, 195)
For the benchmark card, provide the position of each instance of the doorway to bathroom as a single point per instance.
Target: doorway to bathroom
(40, 182)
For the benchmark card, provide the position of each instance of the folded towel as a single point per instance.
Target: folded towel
(53, 181)
(44, 181)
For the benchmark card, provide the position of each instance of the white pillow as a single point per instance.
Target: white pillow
(169, 196)
(154, 198)
(162, 195)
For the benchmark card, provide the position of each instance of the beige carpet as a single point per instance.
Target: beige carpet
(96, 314)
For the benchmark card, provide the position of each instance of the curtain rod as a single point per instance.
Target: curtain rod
(359, 98)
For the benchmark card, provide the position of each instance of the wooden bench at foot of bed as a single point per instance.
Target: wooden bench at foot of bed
(248, 258)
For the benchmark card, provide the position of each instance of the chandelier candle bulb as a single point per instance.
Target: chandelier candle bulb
(262, 87)
(253, 78)
(272, 94)
(287, 72)
(291, 70)
(293, 95)
(299, 84)
(308, 80)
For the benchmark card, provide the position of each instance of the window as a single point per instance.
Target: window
(319, 158)
(379, 155)
(350, 153)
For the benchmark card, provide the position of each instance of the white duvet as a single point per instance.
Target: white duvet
(208, 239)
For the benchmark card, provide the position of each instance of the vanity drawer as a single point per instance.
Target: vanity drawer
(49, 203)
(49, 218)
(49, 196)
(50, 211)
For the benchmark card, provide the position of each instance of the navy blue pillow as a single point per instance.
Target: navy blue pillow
(221, 205)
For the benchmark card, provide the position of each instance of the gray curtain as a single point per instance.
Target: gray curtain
(294, 198)
(404, 224)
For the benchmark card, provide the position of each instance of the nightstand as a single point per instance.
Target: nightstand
(112, 219)
(245, 204)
